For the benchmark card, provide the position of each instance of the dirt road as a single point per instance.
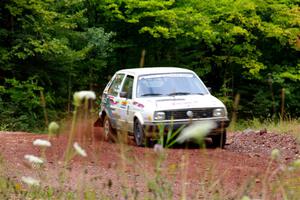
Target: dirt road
(115, 169)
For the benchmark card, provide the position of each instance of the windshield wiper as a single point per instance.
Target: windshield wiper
(183, 93)
(200, 93)
(151, 94)
(179, 93)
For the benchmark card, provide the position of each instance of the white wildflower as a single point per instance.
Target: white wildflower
(42, 143)
(275, 154)
(158, 148)
(53, 128)
(30, 181)
(197, 131)
(78, 96)
(79, 150)
(34, 159)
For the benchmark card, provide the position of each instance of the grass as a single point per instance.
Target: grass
(290, 126)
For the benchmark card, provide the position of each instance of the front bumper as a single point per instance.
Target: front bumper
(153, 128)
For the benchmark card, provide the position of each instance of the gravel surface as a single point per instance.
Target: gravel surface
(261, 143)
(202, 173)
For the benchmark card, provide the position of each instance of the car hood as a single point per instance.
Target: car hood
(181, 102)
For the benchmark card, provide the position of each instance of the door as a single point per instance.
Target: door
(112, 100)
(126, 113)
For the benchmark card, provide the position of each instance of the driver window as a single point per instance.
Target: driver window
(128, 85)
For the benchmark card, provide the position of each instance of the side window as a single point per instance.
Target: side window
(128, 85)
(116, 85)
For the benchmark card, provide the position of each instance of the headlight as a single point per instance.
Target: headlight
(219, 112)
(159, 116)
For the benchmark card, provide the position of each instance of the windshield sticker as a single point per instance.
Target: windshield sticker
(166, 75)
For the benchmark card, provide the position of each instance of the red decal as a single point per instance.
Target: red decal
(138, 104)
(112, 100)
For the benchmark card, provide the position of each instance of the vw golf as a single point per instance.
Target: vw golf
(140, 100)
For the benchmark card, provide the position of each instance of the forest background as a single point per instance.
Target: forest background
(246, 50)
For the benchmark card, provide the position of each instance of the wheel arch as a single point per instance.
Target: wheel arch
(102, 115)
(100, 119)
(138, 116)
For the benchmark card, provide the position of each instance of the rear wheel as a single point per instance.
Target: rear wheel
(108, 130)
(139, 134)
(219, 140)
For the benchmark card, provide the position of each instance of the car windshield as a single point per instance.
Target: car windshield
(169, 85)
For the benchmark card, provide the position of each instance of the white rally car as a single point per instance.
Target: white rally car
(140, 100)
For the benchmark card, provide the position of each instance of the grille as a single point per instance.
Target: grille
(182, 114)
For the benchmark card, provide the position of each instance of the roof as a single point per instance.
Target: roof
(154, 70)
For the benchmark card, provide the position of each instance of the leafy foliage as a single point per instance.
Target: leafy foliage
(231, 44)
(235, 46)
(20, 105)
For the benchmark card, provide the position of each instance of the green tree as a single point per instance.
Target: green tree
(52, 40)
(231, 44)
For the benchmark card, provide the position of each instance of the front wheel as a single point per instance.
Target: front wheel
(219, 140)
(139, 134)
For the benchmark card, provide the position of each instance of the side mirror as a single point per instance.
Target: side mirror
(123, 94)
(209, 89)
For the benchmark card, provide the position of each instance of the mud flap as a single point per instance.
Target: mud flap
(98, 123)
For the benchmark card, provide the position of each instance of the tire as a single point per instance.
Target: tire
(139, 134)
(219, 140)
(108, 131)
